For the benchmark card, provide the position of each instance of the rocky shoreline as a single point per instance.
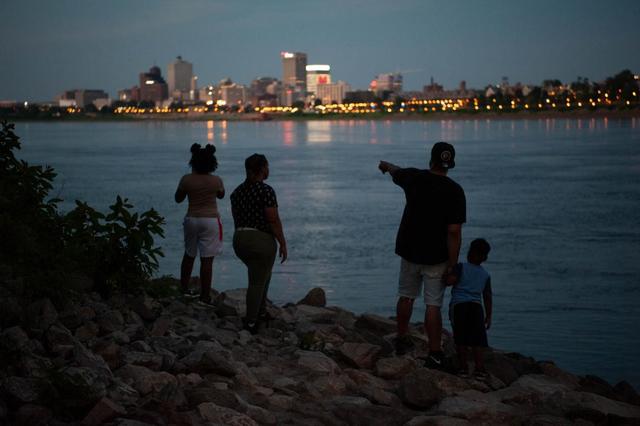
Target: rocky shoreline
(135, 361)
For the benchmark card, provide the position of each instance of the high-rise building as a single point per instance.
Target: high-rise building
(153, 88)
(179, 78)
(294, 77)
(391, 82)
(317, 74)
(332, 92)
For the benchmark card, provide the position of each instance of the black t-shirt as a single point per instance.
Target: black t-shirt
(432, 203)
(248, 202)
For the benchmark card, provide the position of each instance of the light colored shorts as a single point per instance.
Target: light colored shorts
(202, 234)
(412, 277)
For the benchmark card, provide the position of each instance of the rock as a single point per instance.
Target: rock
(315, 297)
(550, 369)
(122, 393)
(110, 321)
(232, 303)
(35, 366)
(143, 306)
(626, 393)
(436, 421)
(594, 408)
(477, 407)
(78, 387)
(424, 387)
(330, 385)
(13, 339)
(362, 355)
(110, 353)
(210, 357)
(161, 326)
(23, 389)
(395, 368)
(376, 324)
(150, 360)
(281, 402)
(316, 314)
(206, 393)
(317, 361)
(501, 366)
(104, 411)
(33, 415)
(87, 331)
(363, 379)
(59, 340)
(159, 384)
(597, 385)
(41, 314)
(359, 411)
(224, 416)
(86, 358)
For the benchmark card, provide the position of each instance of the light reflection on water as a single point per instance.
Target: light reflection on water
(557, 198)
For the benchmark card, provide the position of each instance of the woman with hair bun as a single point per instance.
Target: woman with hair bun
(202, 226)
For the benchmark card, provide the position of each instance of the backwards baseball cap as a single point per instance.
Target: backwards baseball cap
(443, 155)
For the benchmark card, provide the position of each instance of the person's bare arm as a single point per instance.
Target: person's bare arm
(385, 167)
(454, 240)
(180, 195)
(488, 304)
(273, 218)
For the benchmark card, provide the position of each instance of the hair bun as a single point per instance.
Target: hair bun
(195, 148)
(211, 148)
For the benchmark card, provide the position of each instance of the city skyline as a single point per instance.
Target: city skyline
(71, 44)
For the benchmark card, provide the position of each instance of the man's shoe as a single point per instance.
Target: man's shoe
(251, 327)
(403, 344)
(481, 375)
(435, 361)
(189, 293)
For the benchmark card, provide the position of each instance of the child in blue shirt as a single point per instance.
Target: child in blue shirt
(471, 286)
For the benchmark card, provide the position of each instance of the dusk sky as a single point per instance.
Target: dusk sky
(50, 46)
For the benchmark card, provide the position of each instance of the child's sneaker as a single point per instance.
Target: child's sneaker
(403, 344)
(435, 361)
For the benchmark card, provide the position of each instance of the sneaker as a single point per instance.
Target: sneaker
(205, 302)
(435, 361)
(403, 344)
(251, 327)
(189, 293)
(463, 373)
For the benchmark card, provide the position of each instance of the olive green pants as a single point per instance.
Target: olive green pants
(257, 250)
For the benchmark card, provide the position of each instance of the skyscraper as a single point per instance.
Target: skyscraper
(179, 78)
(294, 73)
(317, 74)
(153, 88)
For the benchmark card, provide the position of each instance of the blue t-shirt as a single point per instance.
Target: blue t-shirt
(472, 280)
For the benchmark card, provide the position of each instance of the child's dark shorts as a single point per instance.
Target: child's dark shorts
(468, 324)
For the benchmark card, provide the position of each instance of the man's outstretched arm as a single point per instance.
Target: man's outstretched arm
(385, 167)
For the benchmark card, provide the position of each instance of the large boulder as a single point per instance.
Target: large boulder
(594, 408)
(478, 407)
(376, 324)
(104, 411)
(423, 388)
(315, 297)
(317, 361)
(78, 387)
(216, 414)
(395, 368)
(160, 385)
(232, 303)
(23, 390)
(361, 355)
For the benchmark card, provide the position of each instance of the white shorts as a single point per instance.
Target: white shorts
(202, 234)
(413, 275)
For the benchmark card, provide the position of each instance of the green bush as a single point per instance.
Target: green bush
(46, 249)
